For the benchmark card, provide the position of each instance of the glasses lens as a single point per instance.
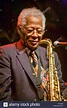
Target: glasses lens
(30, 31)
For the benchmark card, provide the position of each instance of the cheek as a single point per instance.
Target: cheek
(26, 38)
(40, 37)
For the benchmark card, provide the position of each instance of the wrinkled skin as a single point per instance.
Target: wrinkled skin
(33, 32)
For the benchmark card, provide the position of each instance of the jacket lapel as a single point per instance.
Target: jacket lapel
(25, 63)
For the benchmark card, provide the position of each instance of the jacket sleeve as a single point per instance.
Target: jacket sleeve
(5, 75)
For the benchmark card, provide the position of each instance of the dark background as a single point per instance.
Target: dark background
(56, 24)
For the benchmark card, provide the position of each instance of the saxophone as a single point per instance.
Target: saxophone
(53, 82)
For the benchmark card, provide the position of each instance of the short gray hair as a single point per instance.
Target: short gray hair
(30, 11)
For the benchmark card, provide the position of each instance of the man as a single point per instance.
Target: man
(20, 80)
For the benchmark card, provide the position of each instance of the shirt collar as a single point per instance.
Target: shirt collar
(36, 51)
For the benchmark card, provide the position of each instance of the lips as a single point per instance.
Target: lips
(33, 42)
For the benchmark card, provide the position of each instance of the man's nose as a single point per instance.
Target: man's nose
(35, 34)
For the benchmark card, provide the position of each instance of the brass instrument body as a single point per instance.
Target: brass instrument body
(53, 82)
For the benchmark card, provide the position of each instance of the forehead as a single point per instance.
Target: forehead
(33, 20)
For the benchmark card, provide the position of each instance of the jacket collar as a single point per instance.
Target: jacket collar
(21, 49)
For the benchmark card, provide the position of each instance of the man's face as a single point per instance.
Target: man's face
(33, 32)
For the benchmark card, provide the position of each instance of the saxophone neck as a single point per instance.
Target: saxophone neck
(46, 41)
(49, 45)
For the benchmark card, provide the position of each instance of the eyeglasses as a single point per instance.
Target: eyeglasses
(31, 30)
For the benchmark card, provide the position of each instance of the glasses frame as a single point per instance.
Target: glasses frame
(30, 31)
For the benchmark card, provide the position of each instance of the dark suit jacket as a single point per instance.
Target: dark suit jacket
(16, 79)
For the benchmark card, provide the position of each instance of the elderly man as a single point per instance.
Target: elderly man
(24, 64)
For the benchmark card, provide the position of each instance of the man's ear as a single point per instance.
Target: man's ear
(43, 32)
(19, 31)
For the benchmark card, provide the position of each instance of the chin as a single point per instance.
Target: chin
(33, 47)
